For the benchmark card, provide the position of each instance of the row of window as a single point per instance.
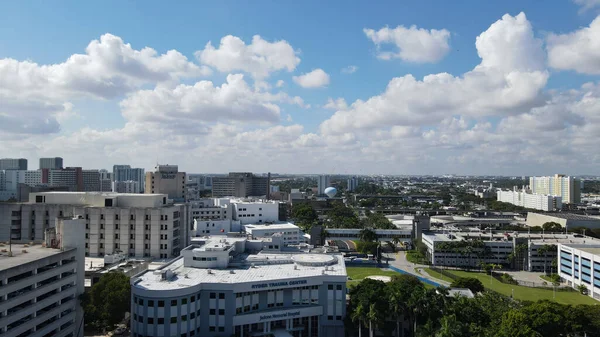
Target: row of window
(161, 303)
(131, 227)
(131, 246)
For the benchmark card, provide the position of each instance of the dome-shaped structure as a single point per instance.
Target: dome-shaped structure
(331, 191)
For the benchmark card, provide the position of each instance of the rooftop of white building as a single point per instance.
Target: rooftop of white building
(275, 226)
(536, 238)
(22, 254)
(97, 199)
(245, 267)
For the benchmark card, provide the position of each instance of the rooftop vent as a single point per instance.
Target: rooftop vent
(231, 272)
(209, 271)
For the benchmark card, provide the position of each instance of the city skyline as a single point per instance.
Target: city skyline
(506, 88)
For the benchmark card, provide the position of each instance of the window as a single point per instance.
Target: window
(141, 319)
(339, 287)
(116, 246)
(116, 216)
(184, 301)
(131, 246)
(87, 236)
(161, 304)
(140, 301)
(221, 329)
(212, 311)
(161, 320)
(147, 218)
(147, 227)
(101, 236)
(86, 245)
(101, 245)
(131, 217)
(184, 318)
(192, 315)
(116, 226)
(150, 303)
(173, 319)
(330, 287)
(211, 328)
(101, 216)
(221, 311)
(221, 296)
(131, 236)
(173, 303)
(117, 236)
(101, 226)
(147, 236)
(131, 227)
(150, 320)
(146, 246)
(213, 295)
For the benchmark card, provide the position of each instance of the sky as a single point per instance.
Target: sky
(331, 87)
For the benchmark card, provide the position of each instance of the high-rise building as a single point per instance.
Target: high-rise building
(126, 173)
(166, 179)
(55, 163)
(352, 184)
(142, 225)
(129, 186)
(241, 185)
(322, 183)
(42, 284)
(13, 164)
(568, 188)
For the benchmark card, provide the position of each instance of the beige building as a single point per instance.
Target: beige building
(140, 225)
(166, 179)
(568, 188)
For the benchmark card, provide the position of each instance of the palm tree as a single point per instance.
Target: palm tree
(358, 316)
(374, 316)
(451, 327)
(367, 235)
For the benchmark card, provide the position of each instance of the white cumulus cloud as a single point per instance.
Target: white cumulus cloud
(414, 44)
(315, 79)
(259, 58)
(336, 104)
(349, 70)
(578, 51)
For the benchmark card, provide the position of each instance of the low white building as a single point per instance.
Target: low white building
(240, 287)
(522, 198)
(40, 284)
(290, 233)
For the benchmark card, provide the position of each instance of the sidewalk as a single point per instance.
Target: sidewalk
(399, 261)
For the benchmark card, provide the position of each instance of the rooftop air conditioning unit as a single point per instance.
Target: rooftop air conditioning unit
(209, 271)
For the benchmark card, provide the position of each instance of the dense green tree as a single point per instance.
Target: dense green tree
(107, 301)
(552, 226)
(341, 216)
(468, 282)
(304, 215)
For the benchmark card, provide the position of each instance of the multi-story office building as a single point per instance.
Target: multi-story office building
(13, 164)
(166, 179)
(522, 198)
(241, 185)
(55, 163)
(140, 225)
(579, 264)
(126, 173)
(450, 249)
(323, 182)
(352, 184)
(129, 186)
(568, 188)
(40, 285)
(223, 287)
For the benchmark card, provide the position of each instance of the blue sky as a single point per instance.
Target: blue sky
(325, 35)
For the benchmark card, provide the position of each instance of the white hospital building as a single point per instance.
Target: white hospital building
(222, 286)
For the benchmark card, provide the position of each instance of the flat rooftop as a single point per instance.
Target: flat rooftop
(34, 252)
(569, 216)
(287, 269)
(536, 238)
(272, 226)
(591, 250)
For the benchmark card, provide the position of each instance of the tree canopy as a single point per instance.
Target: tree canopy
(107, 302)
(430, 312)
(468, 282)
(552, 226)
(304, 215)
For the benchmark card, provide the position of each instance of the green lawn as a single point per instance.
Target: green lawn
(520, 292)
(357, 274)
(415, 257)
